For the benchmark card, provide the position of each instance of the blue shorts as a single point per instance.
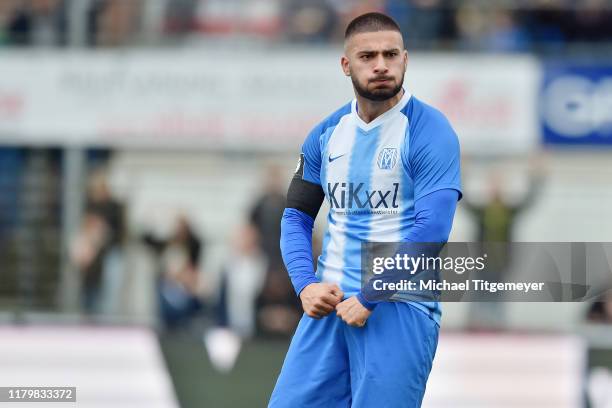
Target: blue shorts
(383, 364)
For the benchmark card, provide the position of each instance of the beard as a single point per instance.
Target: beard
(377, 95)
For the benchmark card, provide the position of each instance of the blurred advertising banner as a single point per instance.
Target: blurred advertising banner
(504, 369)
(576, 104)
(195, 99)
(489, 100)
(268, 100)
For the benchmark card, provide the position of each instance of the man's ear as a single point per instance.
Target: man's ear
(344, 63)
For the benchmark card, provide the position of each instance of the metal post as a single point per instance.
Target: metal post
(73, 171)
(72, 210)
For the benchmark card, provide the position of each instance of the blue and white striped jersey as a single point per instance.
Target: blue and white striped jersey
(372, 173)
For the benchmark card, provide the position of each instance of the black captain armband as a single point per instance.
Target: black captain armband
(304, 195)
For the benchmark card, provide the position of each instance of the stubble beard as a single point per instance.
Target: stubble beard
(378, 95)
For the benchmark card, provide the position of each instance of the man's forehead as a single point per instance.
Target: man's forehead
(374, 41)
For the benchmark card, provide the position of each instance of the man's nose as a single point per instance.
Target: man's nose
(381, 66)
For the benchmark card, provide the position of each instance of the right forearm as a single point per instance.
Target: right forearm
(296, 248)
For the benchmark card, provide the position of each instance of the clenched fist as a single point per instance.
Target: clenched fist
(352, 312)
(320, 299)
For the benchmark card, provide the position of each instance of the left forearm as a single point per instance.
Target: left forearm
(434, 215)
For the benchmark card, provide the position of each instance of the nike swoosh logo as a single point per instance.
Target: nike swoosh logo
(331, 159)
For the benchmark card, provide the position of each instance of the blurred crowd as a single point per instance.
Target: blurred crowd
(246, 292)
(50, 23)
(250, 293)
(498, 26)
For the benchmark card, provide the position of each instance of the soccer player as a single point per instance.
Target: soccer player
(389, 166)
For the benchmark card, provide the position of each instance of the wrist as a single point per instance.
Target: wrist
(303, 285)
(364, 302)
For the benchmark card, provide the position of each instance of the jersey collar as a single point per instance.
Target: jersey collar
(380, 118)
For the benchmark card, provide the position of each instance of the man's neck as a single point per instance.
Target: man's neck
(369, 110)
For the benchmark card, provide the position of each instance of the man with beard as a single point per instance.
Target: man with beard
(389, 166)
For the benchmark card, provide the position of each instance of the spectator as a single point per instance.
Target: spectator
(100, 202)
(87, 255)
(312, 22)
(546, 27)
(496, 217)
(98, 249)
(471, 22)
(590, 23)
(38, 23)
(242, 276)
(422, 21)
(278, 306)
(113, 22)
(7, 9)
(179, 273)
(266, 214)
(505, 34)
(495, 221)
(180, 16)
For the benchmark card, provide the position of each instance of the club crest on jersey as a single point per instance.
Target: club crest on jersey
(387, 158)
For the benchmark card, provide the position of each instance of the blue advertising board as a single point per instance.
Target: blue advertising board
(576, 104)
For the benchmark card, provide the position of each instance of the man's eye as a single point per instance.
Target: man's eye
(365, 57)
